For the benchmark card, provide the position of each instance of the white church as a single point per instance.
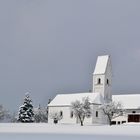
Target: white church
(101, 93)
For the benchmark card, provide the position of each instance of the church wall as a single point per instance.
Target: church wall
(101, 118)
(131, 111)
(108, 82)
(93, 119)
(66, 116)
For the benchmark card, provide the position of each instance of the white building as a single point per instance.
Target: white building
(102, 83)
(131, 105)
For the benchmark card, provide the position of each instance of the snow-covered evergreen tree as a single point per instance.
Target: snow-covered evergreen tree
(26, 113)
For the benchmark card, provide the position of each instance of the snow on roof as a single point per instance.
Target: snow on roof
(129, 101)
(67, 99)
(101, 64)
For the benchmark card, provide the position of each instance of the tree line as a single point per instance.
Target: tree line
(26, 113)
(81, 110)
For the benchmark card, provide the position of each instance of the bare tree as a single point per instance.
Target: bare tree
(4, 114)
(56, 116)
(112, 110)
(81, 109)
(13, 117)
(40, 114)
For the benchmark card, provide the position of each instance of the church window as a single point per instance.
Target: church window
(88, 116)
(99, 81)
(112, 113)
(61, 114)
(71, 114)
(113, 122)
(107, 81)
(123, 122)
(96, 113)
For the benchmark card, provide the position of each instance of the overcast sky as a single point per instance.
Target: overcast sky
(50, 46)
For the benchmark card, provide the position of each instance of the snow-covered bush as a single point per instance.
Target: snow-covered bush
(26, 113)
(56, 116)
(112, 110)
(81, 109)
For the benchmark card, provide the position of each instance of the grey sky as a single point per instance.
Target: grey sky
(50, 46)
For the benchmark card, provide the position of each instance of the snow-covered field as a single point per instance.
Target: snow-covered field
(17, 131)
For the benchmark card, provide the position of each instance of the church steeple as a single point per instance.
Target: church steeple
(102, 77)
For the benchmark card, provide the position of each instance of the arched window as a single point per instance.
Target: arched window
(98, 81)
(107, 82)
(133, 111)
(71, 114)
(61, 114)
(96, 113)
(88, 115)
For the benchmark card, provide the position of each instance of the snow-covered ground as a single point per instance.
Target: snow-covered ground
(18, 131)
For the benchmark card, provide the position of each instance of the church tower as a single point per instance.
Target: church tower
(102, 77)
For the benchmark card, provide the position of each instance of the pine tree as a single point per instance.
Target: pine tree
(26, 113)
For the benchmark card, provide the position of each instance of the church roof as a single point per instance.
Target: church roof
(128, 101)
(67, 99)
(101, 64)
